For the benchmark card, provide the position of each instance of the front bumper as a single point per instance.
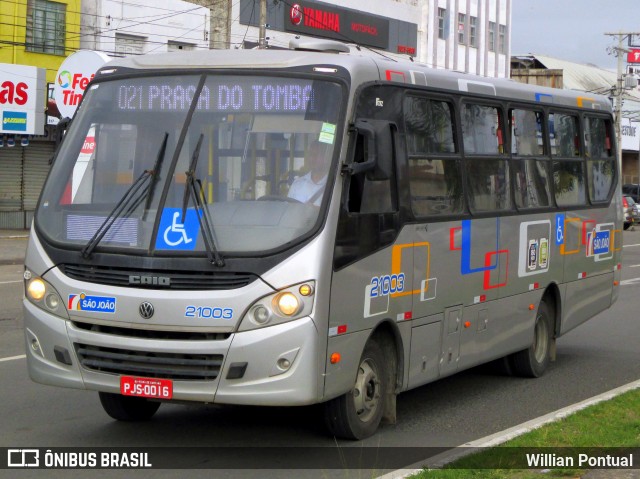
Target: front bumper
(264, 382)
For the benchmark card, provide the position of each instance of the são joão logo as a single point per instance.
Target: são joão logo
(64, 79)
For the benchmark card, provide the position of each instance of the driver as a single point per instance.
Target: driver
(309, 188)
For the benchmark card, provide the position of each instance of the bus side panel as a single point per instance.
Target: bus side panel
(589, 250)
(586, 298)
(425, 351)
(341, 375)
(365, 293)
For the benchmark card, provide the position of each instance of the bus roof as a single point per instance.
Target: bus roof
(363, 68)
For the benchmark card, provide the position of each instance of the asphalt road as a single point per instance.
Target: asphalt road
(598, 356)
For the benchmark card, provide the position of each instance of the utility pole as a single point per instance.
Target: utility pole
(220, 37)
(619, 51)
(262, 41)
(219, 22)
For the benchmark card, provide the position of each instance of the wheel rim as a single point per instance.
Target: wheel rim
(366, 392)
(541, 343)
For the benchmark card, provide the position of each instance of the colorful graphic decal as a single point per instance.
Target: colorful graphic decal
(533, 255)
(600, 240)
(534, 251)
(95, 304)
(491, 258)
(416, 77)
(381, 289)
(543, 260)
(544, 98)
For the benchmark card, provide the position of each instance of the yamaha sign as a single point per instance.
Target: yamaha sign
(325, 20)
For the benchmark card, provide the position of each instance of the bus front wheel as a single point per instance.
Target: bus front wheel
(357, 414)
(127, 408)
(533, 361)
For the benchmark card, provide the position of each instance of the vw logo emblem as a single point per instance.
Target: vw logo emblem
(146, 310)
(295, 14)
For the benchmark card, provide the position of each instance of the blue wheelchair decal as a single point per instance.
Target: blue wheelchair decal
(559, 229)
(175, 235)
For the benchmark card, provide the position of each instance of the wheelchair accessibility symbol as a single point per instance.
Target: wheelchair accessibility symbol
(176, 229)
(175, 235)
(559, 229)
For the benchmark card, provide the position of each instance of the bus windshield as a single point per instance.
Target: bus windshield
(146, 158)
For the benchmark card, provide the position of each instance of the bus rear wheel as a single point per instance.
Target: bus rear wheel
(357, 414)
(127, 408)
(533, 361)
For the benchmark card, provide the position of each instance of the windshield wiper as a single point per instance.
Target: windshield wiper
(193, 188)
(130, 200)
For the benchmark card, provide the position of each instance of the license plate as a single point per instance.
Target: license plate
(146, 387)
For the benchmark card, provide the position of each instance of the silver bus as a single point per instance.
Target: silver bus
(292, 227)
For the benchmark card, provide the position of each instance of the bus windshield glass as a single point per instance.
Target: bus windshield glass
(146, 158)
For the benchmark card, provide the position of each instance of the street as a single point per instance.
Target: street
(596, 357)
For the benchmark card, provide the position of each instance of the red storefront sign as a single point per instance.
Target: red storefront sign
(633, 56)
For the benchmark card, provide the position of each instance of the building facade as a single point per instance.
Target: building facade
(36, 36)
(39, 33)
(471, 36)
(144, 26)
(466, 35)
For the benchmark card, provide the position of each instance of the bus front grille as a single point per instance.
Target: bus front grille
(158, 279)
(152, 333)
(194, 367)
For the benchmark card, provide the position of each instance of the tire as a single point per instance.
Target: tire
(126, 408)
(626, 226)
(357, 414)
(533, 361)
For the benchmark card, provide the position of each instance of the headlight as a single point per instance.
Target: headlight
(286, 305)
(43, 295)
(36, 289)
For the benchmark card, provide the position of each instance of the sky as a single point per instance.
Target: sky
(572, 30)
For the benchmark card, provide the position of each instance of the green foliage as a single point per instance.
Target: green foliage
(614, 423)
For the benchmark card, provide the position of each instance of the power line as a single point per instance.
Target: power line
(151, 22)
(151, 6)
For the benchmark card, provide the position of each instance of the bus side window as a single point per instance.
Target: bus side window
(482, 130)
(435, 173)
(487, 175)
(488, 184)
(569, 175)
(526, 132)
(530, 168)
(600, 158)
(563, 135)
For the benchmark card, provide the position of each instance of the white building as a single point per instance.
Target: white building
(120, 28)
(466, 35)
(472, 36)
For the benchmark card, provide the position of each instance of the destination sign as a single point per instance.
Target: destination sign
(247, 95)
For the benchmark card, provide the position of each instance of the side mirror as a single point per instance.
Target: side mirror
(377, 146)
